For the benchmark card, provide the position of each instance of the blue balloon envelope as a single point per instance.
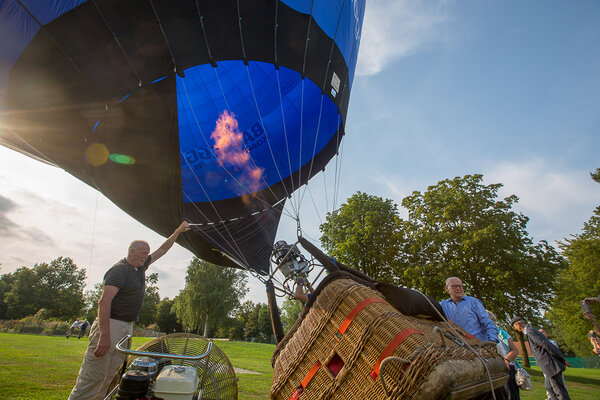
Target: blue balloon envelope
(210, 111)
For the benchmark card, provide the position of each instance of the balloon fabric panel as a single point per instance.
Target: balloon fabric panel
(213, 111)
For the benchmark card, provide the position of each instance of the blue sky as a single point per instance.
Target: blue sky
(507, 89)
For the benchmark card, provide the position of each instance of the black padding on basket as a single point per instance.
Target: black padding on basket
(410, 302)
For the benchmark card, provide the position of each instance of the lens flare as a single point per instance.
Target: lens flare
(121, 159)
(96, 154)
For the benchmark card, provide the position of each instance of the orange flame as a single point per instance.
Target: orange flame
(230, 151)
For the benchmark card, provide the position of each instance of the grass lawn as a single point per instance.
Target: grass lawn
(45, 367)
(582, 383)
(36, 367)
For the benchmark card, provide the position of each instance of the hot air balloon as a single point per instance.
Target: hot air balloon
(213, 111)
(216, 111)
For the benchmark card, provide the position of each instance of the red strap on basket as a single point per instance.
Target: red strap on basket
(469, 336)
(355, 312)
(313, 370)
(398, 339)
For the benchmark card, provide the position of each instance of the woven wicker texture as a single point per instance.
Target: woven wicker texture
(416, 349)
(217, 379)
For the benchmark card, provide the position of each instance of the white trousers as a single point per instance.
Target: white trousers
(96, 373)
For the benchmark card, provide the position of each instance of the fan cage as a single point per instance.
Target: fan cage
(216, 374)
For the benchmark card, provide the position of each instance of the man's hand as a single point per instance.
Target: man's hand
(183, 227)
(568, 364)
(103, 346)
(591, 299)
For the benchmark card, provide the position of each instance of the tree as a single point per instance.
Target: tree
(57, 287)
(166, 318)
(460, 228)
(20, 298)
(151, 300)
(291, 309)
(265, 331)
(596, 175)
(580, 279)
(253, 323)
(211, 292)
(364, 233)
(242, 316)
(6, 282)
(92, 297)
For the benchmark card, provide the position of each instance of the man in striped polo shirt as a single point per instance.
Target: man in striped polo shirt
(118, 308)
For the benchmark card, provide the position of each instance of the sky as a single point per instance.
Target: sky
(507, 89)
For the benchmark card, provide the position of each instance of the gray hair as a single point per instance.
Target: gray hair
(452, 277)
(136, 243)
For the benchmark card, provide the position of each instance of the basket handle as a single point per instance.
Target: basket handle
(382, 372)
(436, 329)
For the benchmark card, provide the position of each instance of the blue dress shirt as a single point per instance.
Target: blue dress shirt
(470, 315)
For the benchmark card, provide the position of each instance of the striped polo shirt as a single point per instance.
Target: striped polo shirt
(131, 281)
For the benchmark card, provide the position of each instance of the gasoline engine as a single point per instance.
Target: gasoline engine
(174, 367)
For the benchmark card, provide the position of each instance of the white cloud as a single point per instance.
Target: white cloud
(393, 29)
(557, 201)
(46, 213)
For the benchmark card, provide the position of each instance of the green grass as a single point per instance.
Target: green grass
(45, 367)
(36, 367)
(582, 383)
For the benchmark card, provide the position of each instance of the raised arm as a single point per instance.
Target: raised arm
(162, 250)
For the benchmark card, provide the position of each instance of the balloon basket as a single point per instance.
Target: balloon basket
(350, 342)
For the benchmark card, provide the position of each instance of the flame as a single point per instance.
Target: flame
(230, 151)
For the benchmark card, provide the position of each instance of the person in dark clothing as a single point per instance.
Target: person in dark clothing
(549, 358)
(83, 328)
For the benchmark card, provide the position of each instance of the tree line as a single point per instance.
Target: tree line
(209, 304)
(458, 227)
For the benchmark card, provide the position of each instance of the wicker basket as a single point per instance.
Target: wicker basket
(350, 343)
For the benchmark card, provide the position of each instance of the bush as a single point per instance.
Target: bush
(32, 328)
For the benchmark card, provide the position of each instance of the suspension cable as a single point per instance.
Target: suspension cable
(164, 34)
(114, 35)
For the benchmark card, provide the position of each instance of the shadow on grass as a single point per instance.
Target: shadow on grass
(568, 378)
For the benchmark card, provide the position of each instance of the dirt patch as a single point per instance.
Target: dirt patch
(245, 371)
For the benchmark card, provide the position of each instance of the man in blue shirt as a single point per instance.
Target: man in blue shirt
(468, 312)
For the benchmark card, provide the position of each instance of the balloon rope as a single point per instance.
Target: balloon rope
(93, 238)
(238, 252)
(314, 149)
(212, 62)
(302, 100)
(322, 96)
(293, 198)
(65, 55)
(114, 35)
(314, 204)
(275, 29)
(241, 34)
(264, 129)
(164, 34)
(42, 157)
